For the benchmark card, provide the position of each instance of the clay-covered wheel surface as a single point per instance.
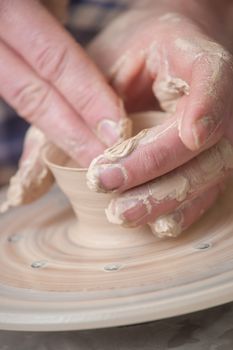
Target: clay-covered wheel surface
(48, 281)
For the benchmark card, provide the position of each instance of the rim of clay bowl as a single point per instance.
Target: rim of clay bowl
(64, 167)
(49, 163)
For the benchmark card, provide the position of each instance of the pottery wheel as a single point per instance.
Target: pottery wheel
(49, 282)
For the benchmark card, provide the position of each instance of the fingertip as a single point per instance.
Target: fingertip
(105, 178)
(84, 154)
(127, 211)
(111, 132)
(174, 223)
(207, 106)
(169, 225)
(201, 132)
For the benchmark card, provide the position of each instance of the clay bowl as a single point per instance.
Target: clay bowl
(92, 228)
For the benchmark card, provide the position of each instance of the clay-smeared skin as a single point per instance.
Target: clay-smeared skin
(56, 79)
(33, 178)
(173, 224)
(180, 52)
(123, 128)
(164, 193)
(167, 225)
(191, 78)
(161, 195)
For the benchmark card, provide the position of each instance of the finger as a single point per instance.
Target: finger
(147, 202)
(130, 78)
(150, 154)
(168, 148)
(155, 156)
(209, 104)
(142, 60)
(57, 58)
(174, 223)
(41, 105)
(33, 179)
(128, 75)
(196, 89)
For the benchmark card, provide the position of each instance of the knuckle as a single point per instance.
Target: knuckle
(30, 100)
(224, 61)
(228, 62)
(87, 101)
(51, 61)
(217, 58)
(154, 163)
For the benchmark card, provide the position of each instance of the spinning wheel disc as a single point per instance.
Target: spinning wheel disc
(49, 282)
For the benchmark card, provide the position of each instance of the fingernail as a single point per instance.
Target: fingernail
(179, 124)
(112, 177)
(103, 177)
(108, 132)
(204, 129)
(127, 212)
(167, 225)
(111, 132)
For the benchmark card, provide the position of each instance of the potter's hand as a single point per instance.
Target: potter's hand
(174, 50)
(50, 81)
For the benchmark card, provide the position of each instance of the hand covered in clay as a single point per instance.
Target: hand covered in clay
(52, 83)
(176, 51)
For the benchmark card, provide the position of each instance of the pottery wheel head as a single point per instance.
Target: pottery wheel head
(60, 271)
(48, 280)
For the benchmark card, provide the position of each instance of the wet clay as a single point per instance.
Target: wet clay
(89, 207)
(125, 148)
(167, 226)
(52, 278)
(60, 272)
(206, 170)
(167, 88)
(177, 185)
(33, 179)
(124, 127)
